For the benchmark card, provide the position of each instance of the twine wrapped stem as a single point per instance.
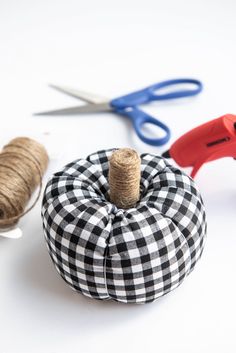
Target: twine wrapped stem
(124, 178)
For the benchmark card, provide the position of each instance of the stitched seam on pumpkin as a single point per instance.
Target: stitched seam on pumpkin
(181, 234)
(105, 270)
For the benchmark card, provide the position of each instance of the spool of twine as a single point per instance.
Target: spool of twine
(124, 178)
(23, 162)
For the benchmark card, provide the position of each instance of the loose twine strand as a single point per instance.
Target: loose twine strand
(124, 178)
(23, 162)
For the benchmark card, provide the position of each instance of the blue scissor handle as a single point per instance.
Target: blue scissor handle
(151, 93)
(139, 118)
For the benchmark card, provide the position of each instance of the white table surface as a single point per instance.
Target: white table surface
(113, 47)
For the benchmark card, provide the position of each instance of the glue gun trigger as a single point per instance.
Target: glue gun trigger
(197, 166)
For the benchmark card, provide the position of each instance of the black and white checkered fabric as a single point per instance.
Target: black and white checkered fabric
(134, 255)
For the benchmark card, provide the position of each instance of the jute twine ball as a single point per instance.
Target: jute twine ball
(23, 162)
(122, 226)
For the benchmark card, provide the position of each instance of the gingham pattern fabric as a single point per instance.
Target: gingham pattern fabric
(134, 255)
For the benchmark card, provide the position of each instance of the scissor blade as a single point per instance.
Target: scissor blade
(82, 109)
(82, 95)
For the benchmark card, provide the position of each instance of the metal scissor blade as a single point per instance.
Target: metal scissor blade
(81, 109)
(82, 95)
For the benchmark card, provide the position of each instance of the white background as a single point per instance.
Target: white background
(113, 47)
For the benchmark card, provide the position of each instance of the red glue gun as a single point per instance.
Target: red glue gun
(212, 140)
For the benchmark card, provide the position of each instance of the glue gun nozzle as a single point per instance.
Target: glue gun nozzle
(166, 154)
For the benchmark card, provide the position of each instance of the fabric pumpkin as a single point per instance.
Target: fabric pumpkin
(134, 255)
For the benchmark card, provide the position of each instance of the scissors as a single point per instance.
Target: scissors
(128, 105)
